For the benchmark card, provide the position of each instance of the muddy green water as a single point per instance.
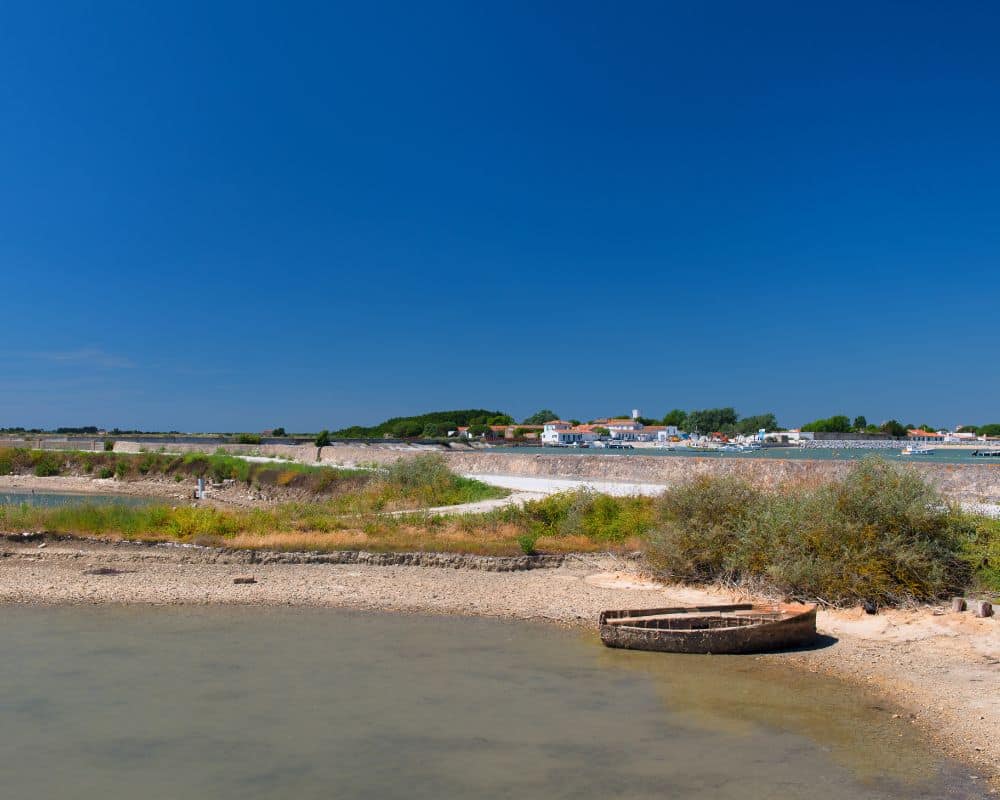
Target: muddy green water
(157, 703)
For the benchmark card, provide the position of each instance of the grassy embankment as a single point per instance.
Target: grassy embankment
(880, 533)
(406, 485)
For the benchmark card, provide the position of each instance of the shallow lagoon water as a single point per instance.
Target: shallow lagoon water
(53, 499)
(277, 703)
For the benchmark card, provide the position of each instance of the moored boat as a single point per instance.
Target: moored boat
(736, 628)
(916, 450)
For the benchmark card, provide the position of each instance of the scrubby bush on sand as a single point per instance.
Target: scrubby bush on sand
(881, 533)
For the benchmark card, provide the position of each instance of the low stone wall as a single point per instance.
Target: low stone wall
(340, 454)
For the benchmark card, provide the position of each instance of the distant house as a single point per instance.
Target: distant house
(924, 436)
(558, 431)
(631, 430)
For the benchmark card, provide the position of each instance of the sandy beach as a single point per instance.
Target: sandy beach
(940, 669)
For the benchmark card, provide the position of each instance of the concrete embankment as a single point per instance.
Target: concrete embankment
(979, 483)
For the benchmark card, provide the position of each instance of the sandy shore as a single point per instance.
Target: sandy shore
(942, 669)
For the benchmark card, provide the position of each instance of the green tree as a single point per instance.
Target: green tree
(278, 432)
(479, 429)
(407, 429)
(435, 429)
(893, 428)
(749, 425)
(322, 440)
(835, 424)
(541, 417)
(860, 423)
(993, 429)
(710, 420)
(601, 431)
(676, 417)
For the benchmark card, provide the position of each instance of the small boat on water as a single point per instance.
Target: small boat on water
(737, 628)
(985, 453)
(916, 450)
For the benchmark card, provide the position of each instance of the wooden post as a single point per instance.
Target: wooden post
(982, 608)
(958, 604)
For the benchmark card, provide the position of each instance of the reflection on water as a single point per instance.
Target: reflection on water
(239, 703)
(51, 499)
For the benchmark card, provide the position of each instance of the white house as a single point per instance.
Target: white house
(665, 432)
(557, 431)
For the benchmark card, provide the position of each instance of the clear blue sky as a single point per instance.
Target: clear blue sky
(240, 215)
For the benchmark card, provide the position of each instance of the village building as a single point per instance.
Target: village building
(560, 432)
(924, 436)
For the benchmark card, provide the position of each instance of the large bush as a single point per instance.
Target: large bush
(881, 533)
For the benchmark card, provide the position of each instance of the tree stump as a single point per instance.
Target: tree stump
(958, 604)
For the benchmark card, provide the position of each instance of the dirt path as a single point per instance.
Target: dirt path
(942, 668)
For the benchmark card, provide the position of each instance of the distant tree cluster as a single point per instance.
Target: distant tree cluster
(835, 424)
(433, 424)
(711, 420)
(540, 417)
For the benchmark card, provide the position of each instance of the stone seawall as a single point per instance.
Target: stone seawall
(340, 454)
(970, 482)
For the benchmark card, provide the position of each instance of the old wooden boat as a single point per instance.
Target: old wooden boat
(738, 628)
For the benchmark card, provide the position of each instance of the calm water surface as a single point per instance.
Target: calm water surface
(104, 703)
(51, 499)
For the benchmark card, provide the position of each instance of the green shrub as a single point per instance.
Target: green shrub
(881, 534)
(981, 551)
(121, 470)
(106, 472)
(527, 541)
(46, 466)
(109, 445)
(598, 517)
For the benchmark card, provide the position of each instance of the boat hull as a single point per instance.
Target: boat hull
(741, 628)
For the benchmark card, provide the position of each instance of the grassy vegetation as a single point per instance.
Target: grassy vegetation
(422, 482)
(881, 533)
(981, 551)
(410, 483)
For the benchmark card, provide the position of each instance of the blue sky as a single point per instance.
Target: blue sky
(234, 216)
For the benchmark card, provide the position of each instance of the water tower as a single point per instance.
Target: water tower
(635, 413)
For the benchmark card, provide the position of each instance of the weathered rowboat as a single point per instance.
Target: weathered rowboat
(738, 628)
